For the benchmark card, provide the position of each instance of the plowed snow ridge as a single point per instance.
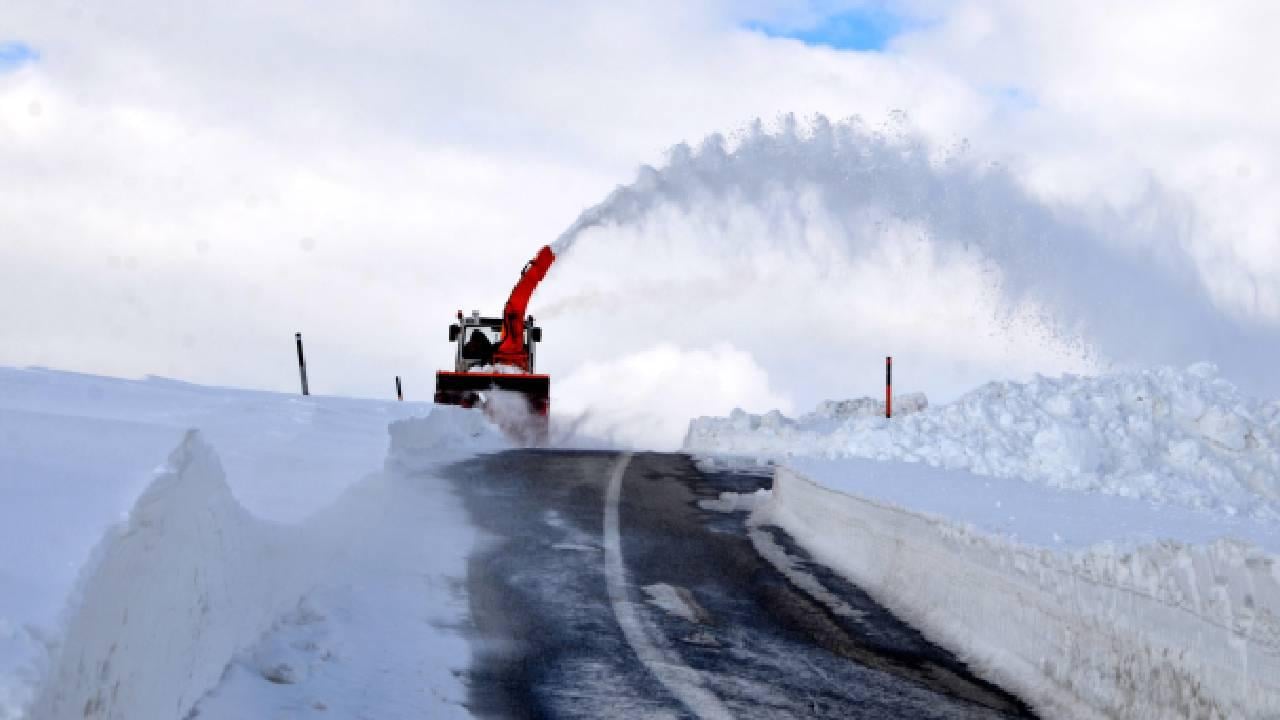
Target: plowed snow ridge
(1105, 546)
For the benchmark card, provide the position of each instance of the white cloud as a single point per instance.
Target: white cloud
(1131, 92)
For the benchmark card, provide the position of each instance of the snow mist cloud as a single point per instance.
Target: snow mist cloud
(646, 398)
(817, 250)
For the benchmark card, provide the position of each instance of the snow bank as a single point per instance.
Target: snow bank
(1104, 546)
(1160, 630)
(77, 451)
(383, 632)
(1183, 437)
(189, 579)
(125, 589)
(192, 580)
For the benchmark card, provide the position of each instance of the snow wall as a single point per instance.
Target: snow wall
(1165, 630)
(170, 595)
(191, 578)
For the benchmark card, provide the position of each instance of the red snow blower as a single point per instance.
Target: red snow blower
(496, 354)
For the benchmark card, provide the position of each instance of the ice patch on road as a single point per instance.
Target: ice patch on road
(677, 601)
(575, 547)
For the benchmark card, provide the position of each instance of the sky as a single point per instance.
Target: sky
(183, 187)
(866, 28)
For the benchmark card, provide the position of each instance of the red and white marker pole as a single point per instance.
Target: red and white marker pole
(888, 387)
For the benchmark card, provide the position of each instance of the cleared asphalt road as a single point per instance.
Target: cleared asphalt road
(606, 591)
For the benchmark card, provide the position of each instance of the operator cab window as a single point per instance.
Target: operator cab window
(479, 345)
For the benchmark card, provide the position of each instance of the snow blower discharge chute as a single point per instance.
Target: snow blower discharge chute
(498, 353)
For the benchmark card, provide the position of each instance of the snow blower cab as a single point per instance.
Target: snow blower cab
(498, 353)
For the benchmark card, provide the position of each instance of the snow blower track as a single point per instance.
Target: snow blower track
(678, 613)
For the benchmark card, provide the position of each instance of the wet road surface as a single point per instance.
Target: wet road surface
(606, 590)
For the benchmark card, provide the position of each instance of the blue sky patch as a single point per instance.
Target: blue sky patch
(16, 54)
(865, 29)
(1016, 98)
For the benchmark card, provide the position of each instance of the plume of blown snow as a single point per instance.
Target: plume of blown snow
(819, 248)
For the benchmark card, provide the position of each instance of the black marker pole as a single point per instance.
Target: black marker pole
(399, 392)
(302, 364)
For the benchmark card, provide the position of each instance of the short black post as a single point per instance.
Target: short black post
(302, 364)
(888, 387)
(399, 392)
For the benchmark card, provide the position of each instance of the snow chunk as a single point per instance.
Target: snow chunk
(1225, 428)
(735, 502)
(677, 601)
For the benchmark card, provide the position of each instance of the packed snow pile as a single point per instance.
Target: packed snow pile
(867, 407)
(743, 432)
(1184, 437)
(416, 442)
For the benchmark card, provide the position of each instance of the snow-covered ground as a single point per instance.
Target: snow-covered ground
(129, 584)
(1103, 546)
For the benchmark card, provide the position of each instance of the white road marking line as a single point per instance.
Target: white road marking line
(682, 681)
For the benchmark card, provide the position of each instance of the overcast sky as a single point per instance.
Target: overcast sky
(185, 185)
